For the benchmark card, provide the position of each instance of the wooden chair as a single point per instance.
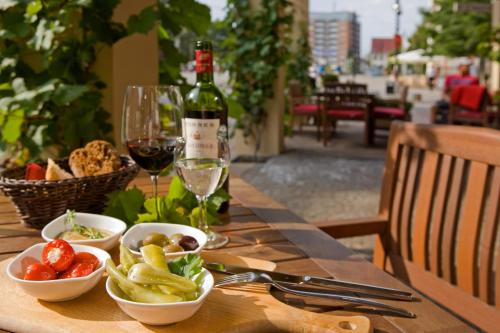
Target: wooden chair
(470, 106)
(385, 111)
(439, 216)
(345, 88)
(302, 107)
(344, 106)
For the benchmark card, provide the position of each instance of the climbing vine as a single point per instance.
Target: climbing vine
(298, 67)
(256, 47)
(50, 95)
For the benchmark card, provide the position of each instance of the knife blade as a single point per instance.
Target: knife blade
(313, 280)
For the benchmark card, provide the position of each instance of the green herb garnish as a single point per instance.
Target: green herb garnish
(88, 232)
(188, 266)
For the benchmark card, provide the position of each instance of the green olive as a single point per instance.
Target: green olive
(157, 239)
(176, 238)
(172, 248)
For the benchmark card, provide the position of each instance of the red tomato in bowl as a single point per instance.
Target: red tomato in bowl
(77, 270)
(58, 254)
(86, 257)
(39, 272)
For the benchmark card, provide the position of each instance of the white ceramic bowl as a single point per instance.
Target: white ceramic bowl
(115, 226)
(161, 313)
(140, 231)
(55, 290)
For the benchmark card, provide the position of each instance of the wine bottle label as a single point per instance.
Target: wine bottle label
(201, 137)
(204, 61)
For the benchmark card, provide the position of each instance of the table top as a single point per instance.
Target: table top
(261, 228)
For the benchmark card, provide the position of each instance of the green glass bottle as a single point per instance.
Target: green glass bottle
(205, 108)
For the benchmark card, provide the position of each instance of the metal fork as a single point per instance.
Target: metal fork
(251, 277)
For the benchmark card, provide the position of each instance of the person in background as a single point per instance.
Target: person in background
(430, 73)
(462, 78)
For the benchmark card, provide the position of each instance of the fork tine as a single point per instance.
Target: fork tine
(236, 279)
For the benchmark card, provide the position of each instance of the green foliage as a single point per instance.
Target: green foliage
(298, 68)
(257, 45)
(453, 34)
(49, 95)
(176, 17)
(178, 206)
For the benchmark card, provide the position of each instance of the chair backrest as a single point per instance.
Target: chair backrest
(346, 88)
(347, 101)
(440, 194)
(294, 89)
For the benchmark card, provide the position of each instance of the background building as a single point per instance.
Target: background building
(379, 54)
(335, 39)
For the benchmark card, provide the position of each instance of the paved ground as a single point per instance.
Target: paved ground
(341, 180)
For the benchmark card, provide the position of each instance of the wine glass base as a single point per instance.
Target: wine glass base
(216, 240)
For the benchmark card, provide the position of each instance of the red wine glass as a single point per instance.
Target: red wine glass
(151, 123)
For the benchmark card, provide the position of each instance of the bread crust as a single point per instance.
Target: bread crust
(96, 158)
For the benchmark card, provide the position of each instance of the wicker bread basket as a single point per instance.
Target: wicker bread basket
(40, 201)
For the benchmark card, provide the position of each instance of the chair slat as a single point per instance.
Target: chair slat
(469, 229)
(397, 201)
(438, 215)
(447, 245)
(408, 204)
(423, 210)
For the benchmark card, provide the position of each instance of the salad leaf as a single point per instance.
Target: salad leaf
(188, 266)
(178, 206)
(125, 205)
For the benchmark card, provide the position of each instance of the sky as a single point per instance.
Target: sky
(376, 17)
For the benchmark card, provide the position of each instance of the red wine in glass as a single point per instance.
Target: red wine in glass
(152, 154)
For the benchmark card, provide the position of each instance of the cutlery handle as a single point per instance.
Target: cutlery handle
(393, 293)
(345, 298)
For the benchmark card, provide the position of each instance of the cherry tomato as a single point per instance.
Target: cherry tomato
(34, 172)
(58, 254)
(39, 272)
(77, 270)
(86, 257)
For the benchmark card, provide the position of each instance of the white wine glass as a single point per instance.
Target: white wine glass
(151, 122)
(203, 176)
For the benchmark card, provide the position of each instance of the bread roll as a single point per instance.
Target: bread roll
(96, 158)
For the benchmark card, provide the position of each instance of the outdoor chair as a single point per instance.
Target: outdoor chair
(345, 88)
(469, 105)
(438, 217)
(302, 107)
(384, 111)
(344, 106)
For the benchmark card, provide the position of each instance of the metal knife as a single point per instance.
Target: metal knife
(313, 280)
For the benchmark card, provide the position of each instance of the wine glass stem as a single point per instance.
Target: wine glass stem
(154, 180)
(203, 223)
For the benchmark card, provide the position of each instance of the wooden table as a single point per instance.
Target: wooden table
(261, 228)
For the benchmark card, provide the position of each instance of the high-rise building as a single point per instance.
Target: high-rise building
(335, 39)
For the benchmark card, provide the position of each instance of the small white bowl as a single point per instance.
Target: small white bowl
(161, 313)
(115, 226)
(55, 290)
(140, 231)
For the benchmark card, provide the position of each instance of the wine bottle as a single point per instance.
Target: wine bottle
(205, 110)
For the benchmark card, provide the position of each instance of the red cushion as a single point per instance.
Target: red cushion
(392, 112)
(455, 94)
(471, 97)
(305, 108)
(351, 114)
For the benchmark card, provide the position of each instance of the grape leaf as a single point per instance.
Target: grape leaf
(125, 205)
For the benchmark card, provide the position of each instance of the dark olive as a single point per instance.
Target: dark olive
(189, 243)
(172, 248)
(157, 239)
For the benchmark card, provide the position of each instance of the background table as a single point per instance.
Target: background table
(261, 228)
